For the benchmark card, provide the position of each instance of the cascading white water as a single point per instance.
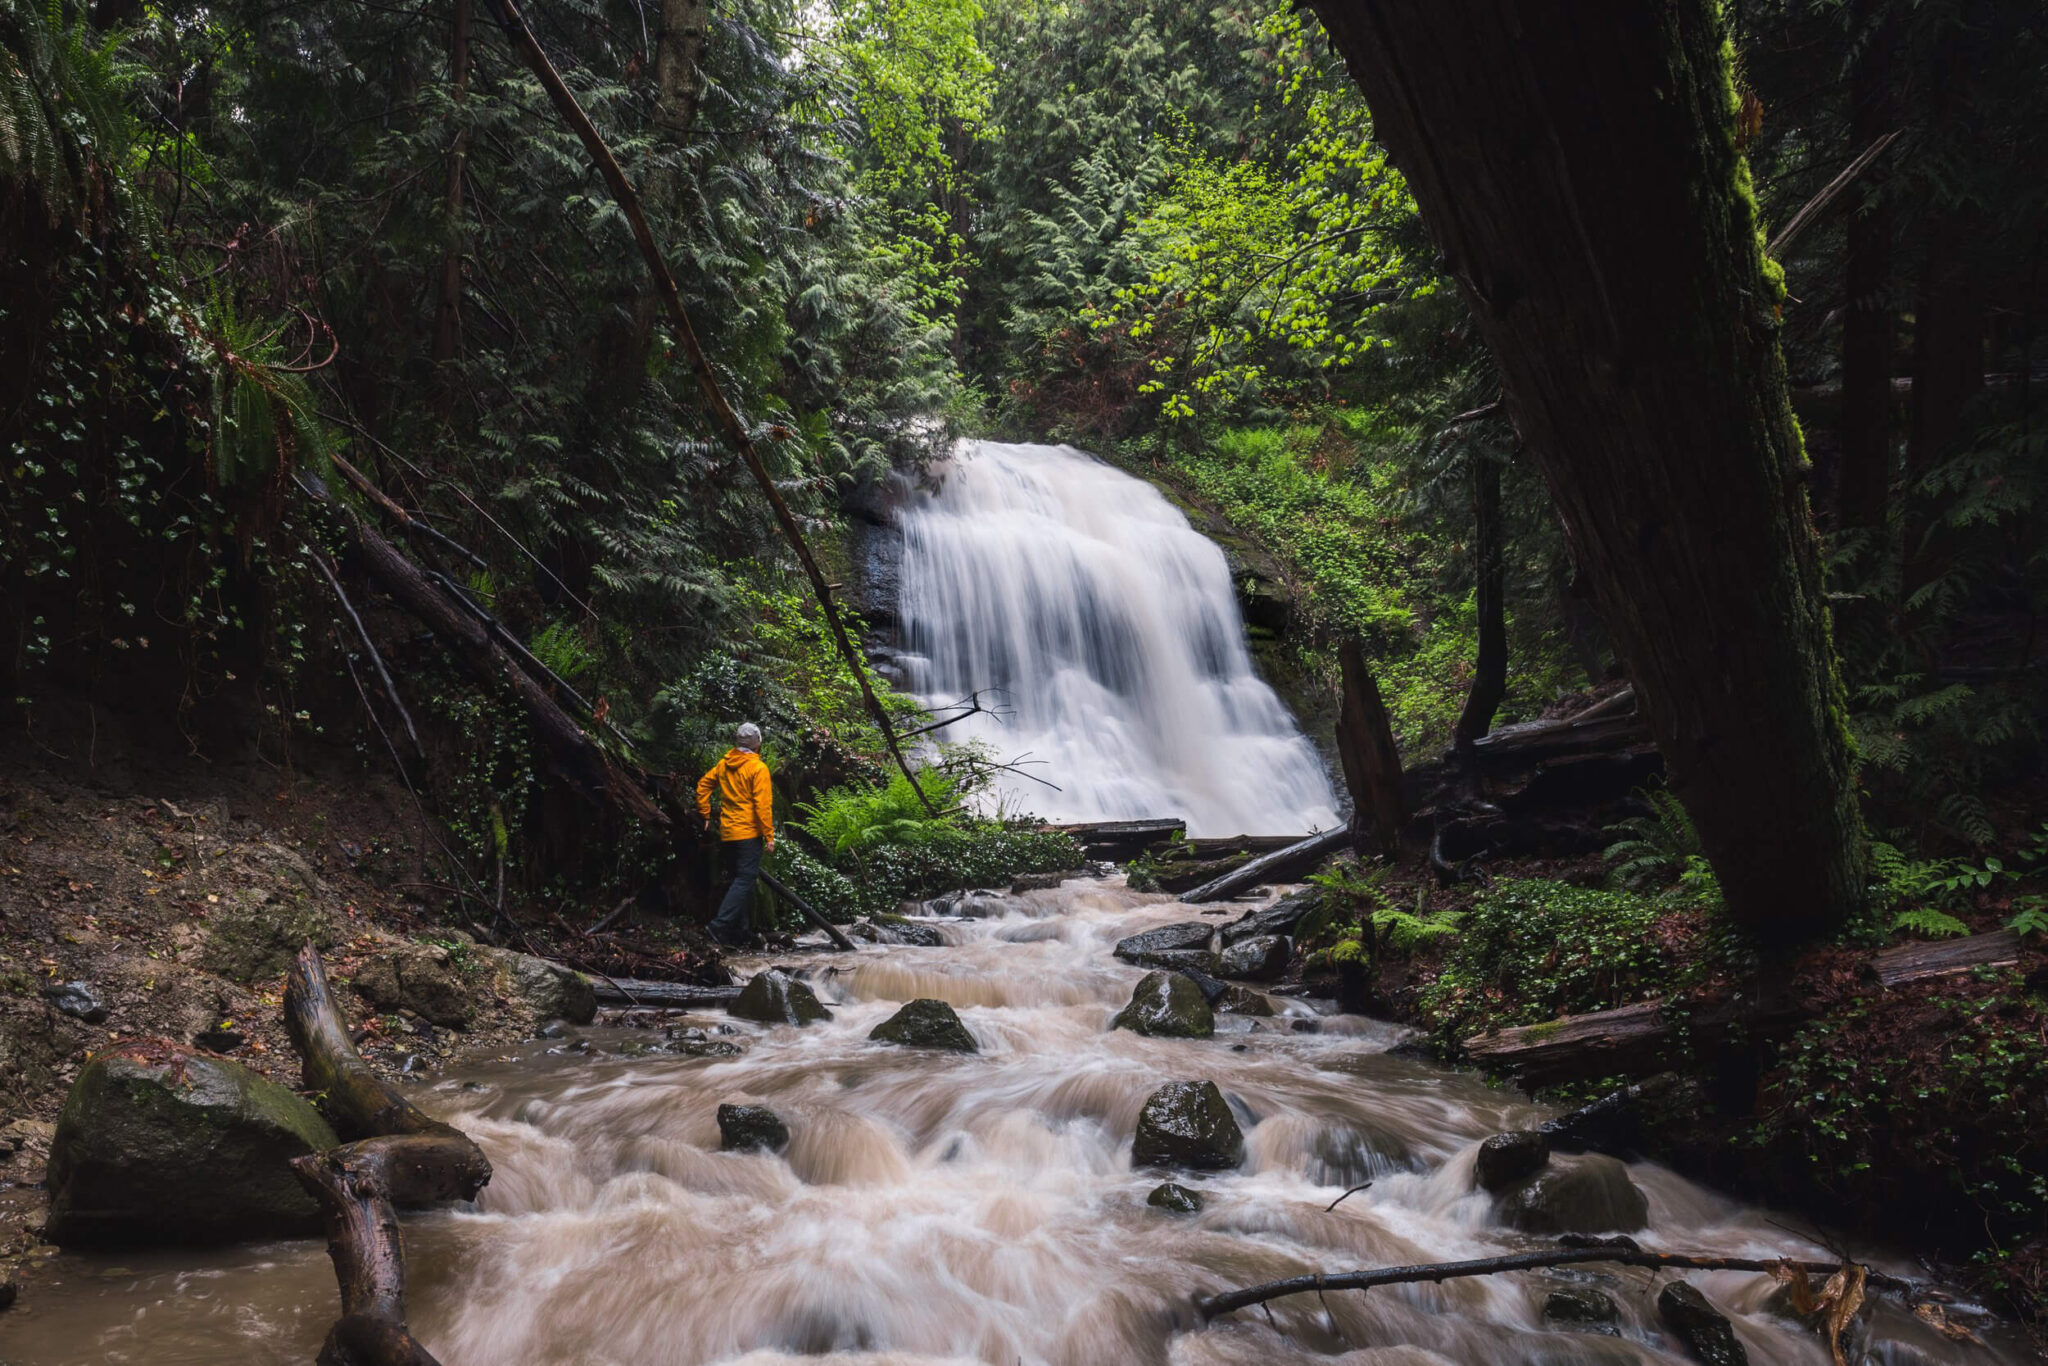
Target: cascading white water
(1111, 624)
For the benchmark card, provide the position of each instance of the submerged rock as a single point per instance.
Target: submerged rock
(1279, 918)
(1167, 1005)
(1506, 1159)
(883, 928)
(171, 1146)
(1259, 959)
(1186, 942)
(1595, 1195)
(1582, 1308)
(774, 997)
(751, 1128)
(1175, 1198)
(926, 1023)
(1187, 1124)
(1704, 1330)
(1039, 882)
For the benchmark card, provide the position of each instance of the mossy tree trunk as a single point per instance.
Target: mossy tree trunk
(1578, 167)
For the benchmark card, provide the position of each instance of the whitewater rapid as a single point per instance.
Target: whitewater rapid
(1105, 627)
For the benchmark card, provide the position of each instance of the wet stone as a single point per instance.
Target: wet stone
(1185, 937)
(1262, 958)
(1506, 1159)
(1241, 1000)
(751, 1128)
(1279, 918)
(926, 1023)
(1167, 1005)
(1187, 1124)
(1592, 1310)
(774, 997)
(1593, 1196)
(1708, 1336)
(78, 1000)
(1175, 1198)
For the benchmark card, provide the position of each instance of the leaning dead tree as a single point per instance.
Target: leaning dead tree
(730, 428)
(402, 1158)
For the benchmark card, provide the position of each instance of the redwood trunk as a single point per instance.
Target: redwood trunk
(1578, 168)
(448, 308)
(1489, 569)
(1864, 485)
(1372, 762)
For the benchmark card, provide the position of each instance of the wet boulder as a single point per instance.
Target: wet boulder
(543, 990)
(751, 1128)
(774, 997)
(898, 929)
(1262, 958)
(1183, 944)
(1212, 990)
(1582, 1308)
(167, 1146)
(1175, 1198)
(78, 1000)
(1167, 1005)
(1187, 1124)
(422, 978)
(1594, 1195)
(1508, 1159)
(1705, 1330)
(926, 1023)
(1280, 918)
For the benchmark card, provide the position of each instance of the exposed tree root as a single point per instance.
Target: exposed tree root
(404, 1158)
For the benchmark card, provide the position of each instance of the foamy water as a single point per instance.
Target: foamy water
(937, 1208)
(1112, 629)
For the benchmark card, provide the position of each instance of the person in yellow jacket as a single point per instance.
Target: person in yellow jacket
(746, 828)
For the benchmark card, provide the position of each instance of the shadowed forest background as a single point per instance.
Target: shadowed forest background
(344, 439)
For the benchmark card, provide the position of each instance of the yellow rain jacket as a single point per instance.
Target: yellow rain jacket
(746, 803)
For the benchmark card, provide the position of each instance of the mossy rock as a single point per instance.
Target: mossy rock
(254, 935)
(1242, 1000)
(422, 978)
(1167, 1005)
(1261, 958)
(1187, 1124)
(167, 1146)
(926, 1023)
(1508, 1159)
(1175, 1198)
(1581, 1307)
(774, 997)
(544, 990)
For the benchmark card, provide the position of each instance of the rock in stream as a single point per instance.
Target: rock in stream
(926, 1023)
(1187, 1124)
(1167, 1005)
(774, 997)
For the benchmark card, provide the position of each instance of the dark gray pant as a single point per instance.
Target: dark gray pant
(733, 923)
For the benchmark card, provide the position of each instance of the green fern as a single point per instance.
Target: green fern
(61, 116)
(1659, 847)
(1400, 929)
(1929, 923)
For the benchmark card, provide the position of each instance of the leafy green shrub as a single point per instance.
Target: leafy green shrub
(947, 856)
(850, 821)
(1529, 951)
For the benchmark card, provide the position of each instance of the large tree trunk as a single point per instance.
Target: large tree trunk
(1579, 170)
(1372, 761)
(1864, 484)
(1490, 573)
(448, 307)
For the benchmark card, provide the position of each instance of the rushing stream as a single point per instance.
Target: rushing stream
(1110, 627)
(946, 1208)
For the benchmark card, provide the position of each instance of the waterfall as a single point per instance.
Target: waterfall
(1111, 625)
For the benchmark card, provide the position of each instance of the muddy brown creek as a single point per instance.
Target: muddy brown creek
(938, 1207)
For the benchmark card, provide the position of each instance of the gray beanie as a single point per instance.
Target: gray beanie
(749, 735)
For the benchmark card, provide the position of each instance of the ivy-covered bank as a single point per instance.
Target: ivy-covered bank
(1915, 1112)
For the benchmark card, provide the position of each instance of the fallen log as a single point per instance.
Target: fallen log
(405, 1158)
(635, 991)
(1945, 957)
(832, 931)
(1622, 1252)
(1633, 1040)
(1282, 865)
(1598, 731)
(1122, 841)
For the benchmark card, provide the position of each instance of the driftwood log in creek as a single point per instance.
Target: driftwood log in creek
(402, 1158)
(1621, 1252)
